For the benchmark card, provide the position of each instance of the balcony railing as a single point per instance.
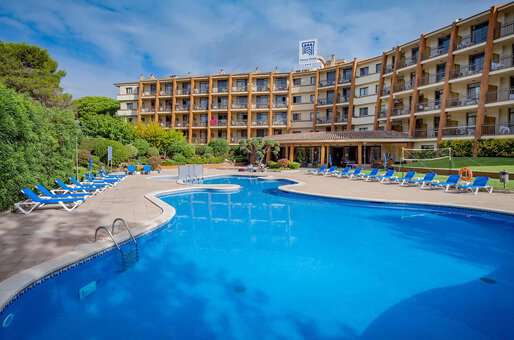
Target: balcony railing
(201, 106)
(501, 95)
(382, 113)
(183, 91)
(462, 101)
(199, 140)
(324, 120)
(474, 38)
(503, 62)
(344, 80)
(400, 111)
(218, 122)
(280, 87)
(219, 106)
(436, 51)
(148, 109)
(236, 140)
(405, 62)
(181, 123)
(279, 121)
(165, 124)
(200, 123)
(260, 122)
(506, 29)
(239, 122)
(239, 88)
(428, 79)
(388, 69)
(165, 108)
(279, 105)
(459, 131)
(261, 88)
(182, 107)
(201, 91)
(239, 105)
(325, 101)
(261, 105)
(323, 83)
(149, 93)
(386, 90)
(342, 119)
(466, 70)
(425, 133)
(219, 90)
(404, 86)
(503, 129)
(166, 93)
(343, 99)
(429, 105)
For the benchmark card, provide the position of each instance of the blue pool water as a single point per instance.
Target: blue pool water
(263, 264)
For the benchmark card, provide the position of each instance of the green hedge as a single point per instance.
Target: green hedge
(37, 145)
(501, 147)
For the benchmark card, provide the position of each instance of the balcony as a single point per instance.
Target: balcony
(165, 124)
(477, 37)
(219, 106)
(386, 90)
(199, 123)
(261, 88)
(181, 123)
(345, 80)
(425, 133)
(502, 63)
(239, 122)
(459, 131)
(501, 95)
(429, 105)
(240, 88)
(279, 105)
(149, 93)
(218, 122)
(166, 93)
(201, 91)
(183, 92)
(261, 105)
(404, 86)
(166, 108)
(401, 111)
(236, 140)
(182, 107)
(505, 29)
(324, 83)
(342, 119)
(324, 120)
(466, 70)
(325, 101)
(147, 109)
(406, 62)
(239, 105)
(260, 122)
(343, 99)
(382, 113)
(219, 90)
(462, 101)
(429, 79)
(502, 129)
(281, 87)
(279, 121)
(388, 69)
(199, 140)
(433, 52)
(201, 106)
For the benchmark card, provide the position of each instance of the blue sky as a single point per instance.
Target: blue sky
(101, 42)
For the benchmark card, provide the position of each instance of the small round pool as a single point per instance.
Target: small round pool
(264, 264)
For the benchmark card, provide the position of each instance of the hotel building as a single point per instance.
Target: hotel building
(456, 82)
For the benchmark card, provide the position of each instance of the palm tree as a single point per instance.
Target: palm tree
(257, 148)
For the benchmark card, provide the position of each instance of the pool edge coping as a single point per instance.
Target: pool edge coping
(13, 286)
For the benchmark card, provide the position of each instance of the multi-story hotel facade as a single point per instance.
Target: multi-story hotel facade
(456, 82)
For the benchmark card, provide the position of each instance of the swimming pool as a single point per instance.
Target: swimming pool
(263, 264)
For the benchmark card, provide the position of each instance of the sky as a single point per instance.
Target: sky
(99, 42)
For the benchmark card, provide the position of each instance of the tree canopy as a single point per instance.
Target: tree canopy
(30, 70)
(95, 105)
(256, 148)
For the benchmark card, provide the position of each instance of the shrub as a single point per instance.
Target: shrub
(179, 158)
(486, 147)
(155, 162)
(132, 151)
(273, 165)
(120, 152)
(141, 145)
(283, 162)
(153, 152)
(460, 148)
(203, 150)
(294, 165)
(219, 147)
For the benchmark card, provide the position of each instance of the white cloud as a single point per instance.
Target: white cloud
(101, 44)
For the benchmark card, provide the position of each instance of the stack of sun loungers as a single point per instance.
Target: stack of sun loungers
(68, 196)
(427, 181)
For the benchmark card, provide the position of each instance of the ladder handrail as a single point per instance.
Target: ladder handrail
(125, 225)
(109, 233)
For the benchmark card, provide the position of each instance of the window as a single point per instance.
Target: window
(378, 68)
(297, 116)
(129, 106)
(471, 119)
(297, 99)
(128, 90)
(364, 71)
(313, 80)
(363, 91)
(363, 129)
(311, 99)
(363, 111)
(347, 74)
(297, 81)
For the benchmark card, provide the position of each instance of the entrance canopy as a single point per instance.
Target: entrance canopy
(341, 137)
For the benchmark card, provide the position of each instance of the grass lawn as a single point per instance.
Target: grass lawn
(492, 164)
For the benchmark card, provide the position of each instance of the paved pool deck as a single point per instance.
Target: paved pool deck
(26, 241)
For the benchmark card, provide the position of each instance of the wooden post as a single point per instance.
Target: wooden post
(173, 102)
(390, 100)
(140, 101)
(334, 105)
(314, 121)
(209, 114)
(289, 102)
(352, 95)
(415, 94)
(191, 102)
(157, 108)
(229, 111)
(446, 87)
(322, 154)
(249, 122)
(378, 103)
(359, 153)
(291, 153)
(270, 104)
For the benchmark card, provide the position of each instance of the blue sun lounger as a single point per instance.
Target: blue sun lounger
(104, 174)
(48, 193)
(389, 174)
(330, 171)
(405, 179)
(426, 180)
(479, 183)
(371, 175)
(89, 185)
(34, 201)
(68, 189)
(102, 180)
(131, 169)
(318, 171)
(451, 182)
(344, 172)
(146, 169)
(356, 173)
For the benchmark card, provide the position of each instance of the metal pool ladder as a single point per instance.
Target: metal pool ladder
(128, 258)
